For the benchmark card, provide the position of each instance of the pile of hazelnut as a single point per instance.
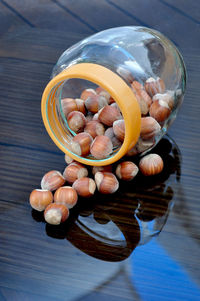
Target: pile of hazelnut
(99, 128)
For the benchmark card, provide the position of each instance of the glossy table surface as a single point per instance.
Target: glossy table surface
(141, 243)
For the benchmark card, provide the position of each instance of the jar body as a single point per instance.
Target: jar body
(147, 62)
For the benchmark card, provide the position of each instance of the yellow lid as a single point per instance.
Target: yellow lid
(119, 91)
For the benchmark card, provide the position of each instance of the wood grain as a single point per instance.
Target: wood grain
(134, 245)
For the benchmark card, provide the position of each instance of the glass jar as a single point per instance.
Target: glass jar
(134, 69)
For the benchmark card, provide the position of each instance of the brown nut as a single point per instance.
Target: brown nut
(144, 101)
(126, 170)
(141, 146)
(80, 144)
(110, 133)
(80, 105)
(96, 169)
(40, 199)
(149, 128)
(96, 117)
(87, 93)
(95, 102)
(168, 97)
(66, 195)
(151, 164)
(76, 121)
(107, 182)
(74, 171)
(135, 85)
(68, 105)
(85, 187)
(55, 214)
(109, 114)
(68, 159)
(52, 180)
(160, 110)
(119, 129)
(101, 147)
(154, 86)
(94, 128)
(89, 117)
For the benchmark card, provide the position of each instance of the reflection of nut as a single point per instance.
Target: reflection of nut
(151, 164)
(149, 128)
(126, 170)
(154, 86)
(141, 146)
(106, 182)
(160, 110)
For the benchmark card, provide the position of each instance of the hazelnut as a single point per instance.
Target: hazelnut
(52, 180)
(126, 170)
(135, 85)
(144, 101)
(109, 114)
(107, 168)
(167, 97)
(55, 214)
(40, 199)
(149, 128)
(95, 102)
(89, 117)
(87, 93)
(66, 195)
(80, 105)
(106, 182)
(68, 159)
(160, 110)
(141, 146)
(119, 129)
(80, 144)
(96, 117)
(101, 147)
(110, 133)
(154, 86)
(94, 128)
(105, 94)
(151, 164)
(76, 121)
(85, 187)
(68, 105)
(74, 171)
(125, 73)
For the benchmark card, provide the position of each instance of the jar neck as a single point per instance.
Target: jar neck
(114, 85)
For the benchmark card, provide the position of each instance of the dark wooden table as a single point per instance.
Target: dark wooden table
(141, 243)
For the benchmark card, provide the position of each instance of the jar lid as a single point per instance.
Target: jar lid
(119, 91)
